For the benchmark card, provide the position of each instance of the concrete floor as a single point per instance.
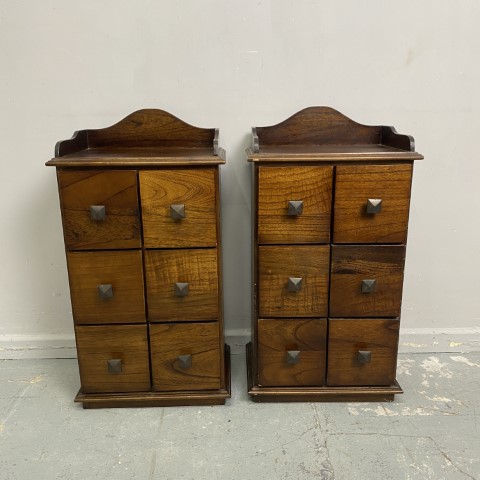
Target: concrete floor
(430, 432)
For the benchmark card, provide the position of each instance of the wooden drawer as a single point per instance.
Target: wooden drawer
(292, 352)
(185, 356)
(362, 352)
(107, 287)
(277, 186)
(179, 207)
(116, 225)
(366, 281)
(168, 298)
(354, 186)
(113, 358)
(293, 281)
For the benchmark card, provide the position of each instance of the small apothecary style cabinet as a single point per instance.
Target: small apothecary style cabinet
(140, 205)
(331, 204)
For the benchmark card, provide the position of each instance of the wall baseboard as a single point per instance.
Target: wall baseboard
(37, 346)
(412, 340)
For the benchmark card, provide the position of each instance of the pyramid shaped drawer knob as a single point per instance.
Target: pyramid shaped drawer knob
(98, 212)
(369, 285)
(293, 357)
(374, 205)
(295, 284)
(185, 361)
(295, 207)
(177, 211)
(181, 289)
(105, 291)
(364, 356)
(114, 366)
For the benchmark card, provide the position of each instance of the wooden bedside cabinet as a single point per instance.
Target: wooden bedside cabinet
(330, 200)
(140, 206)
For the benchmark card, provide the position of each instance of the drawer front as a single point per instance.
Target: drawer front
(107, 287)
(185, 356)
(292, 352)
(294, 204)
(372, 203)
(100, 209)
(366, 281)
(113, 358)
(182, 285)
(293, 281)
(362, 352)
(179, 207)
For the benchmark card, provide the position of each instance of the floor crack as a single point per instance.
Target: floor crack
(328, 463)
(449, 460)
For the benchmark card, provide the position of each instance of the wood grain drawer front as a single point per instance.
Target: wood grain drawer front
(362, 352)
(366, 281)
(179, 208)
(100, 209)
(307, 220)
(185, 356)
(182, 285)
(293, 281)
(388, 189)
(292, 352)
(107, 287)
(113, 358)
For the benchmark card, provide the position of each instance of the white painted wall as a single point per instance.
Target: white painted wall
(69, 65)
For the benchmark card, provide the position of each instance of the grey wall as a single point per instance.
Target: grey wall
(68, 65)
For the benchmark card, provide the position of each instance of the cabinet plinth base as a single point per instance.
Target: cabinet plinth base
(317, 394)
(159, 399)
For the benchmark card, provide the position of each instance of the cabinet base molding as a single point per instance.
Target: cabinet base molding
(160, 399)
(317, 394)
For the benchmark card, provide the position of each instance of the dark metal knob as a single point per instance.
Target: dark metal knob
(364, 356)
(185, 361)
(97, 212)
(105, 291)
(295, 284)
(295, 207)
(177, 211)
(181, 289)
(114, 365)
(369, 285)
(293, 357)
(374, 205)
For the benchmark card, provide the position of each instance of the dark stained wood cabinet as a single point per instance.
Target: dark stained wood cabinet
(331, 200)
(140, 205)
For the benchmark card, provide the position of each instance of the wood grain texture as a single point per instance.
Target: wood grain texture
(322, 393)
(143, 128)
(354, 185)
(347, 337)
(121, 269)
(354, 263)
(196, 189)
(276, 337)
(117, 191)
(136, 157)
(277, 264)
(201, 341)
(318, 125)
(278, 185)
(98, 344)
(162, 399)
(198, 268)
(279, 154)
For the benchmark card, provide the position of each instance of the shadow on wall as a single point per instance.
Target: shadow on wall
(236, 237)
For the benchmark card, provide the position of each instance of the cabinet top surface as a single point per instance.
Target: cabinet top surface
(139, 157)
(144, 138)
(323, 134)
